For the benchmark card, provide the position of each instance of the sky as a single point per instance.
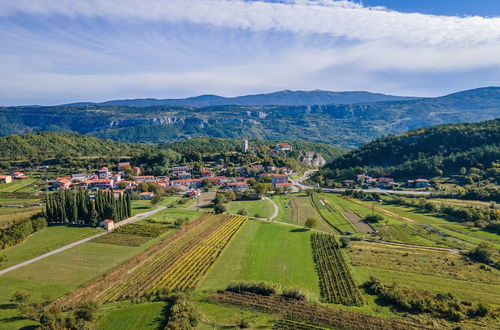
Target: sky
(63, 51)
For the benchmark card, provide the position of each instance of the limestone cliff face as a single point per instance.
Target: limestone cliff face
(312, 159)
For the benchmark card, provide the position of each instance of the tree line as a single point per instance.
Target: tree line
(79, 206)
(17, 233)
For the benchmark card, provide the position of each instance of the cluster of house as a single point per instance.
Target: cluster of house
(384, 182)
(8, 178)
(181, 179)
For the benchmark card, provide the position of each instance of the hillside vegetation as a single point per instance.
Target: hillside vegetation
(222, 145)
(434, 151)
(348, 125)
(53, 145)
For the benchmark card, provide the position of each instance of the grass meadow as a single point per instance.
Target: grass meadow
(264, 251)
(258, 208)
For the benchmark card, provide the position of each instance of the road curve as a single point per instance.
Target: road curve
(276, 209)
(135, 218)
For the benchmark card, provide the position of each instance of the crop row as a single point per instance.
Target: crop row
(336, 281)
(144, 280)
(312, 313)
(283, 324)
(100, 285)
(189, 270)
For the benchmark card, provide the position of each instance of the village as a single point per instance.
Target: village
(186, 180)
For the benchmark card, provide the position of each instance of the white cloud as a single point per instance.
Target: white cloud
(55, 51)
(336, 18)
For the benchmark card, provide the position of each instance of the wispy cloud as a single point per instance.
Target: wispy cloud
(338, 18)
(61, 50)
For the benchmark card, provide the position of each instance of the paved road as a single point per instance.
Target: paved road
(135, 218)
(276, 208)
(298, 183)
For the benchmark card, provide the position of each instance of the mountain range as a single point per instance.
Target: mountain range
(347, 125)
(287, 97)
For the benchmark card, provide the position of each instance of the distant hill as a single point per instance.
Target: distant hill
(49, 145)
(346, 125)
(426, 152)
(287, 97)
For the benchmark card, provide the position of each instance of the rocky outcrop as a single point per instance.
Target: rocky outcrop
(312, 159)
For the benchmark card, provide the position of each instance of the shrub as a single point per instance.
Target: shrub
(20, 297)
(374, 218)
(183, 313)
(310, 223)
(219, 208)
(242, 212)
(293, 293)
(345, 242)
(260, 288)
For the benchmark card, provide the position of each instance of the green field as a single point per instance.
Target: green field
(10, 216)
(265, 251)
(44, 241)
(257, 208)
(333, 214)
(140, 206)
(302, 210)
(21, 186)
(127, 315)
(391, 229)
(469, 237)
(169, 215)
(60, 273)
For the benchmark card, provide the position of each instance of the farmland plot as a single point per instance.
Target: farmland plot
(337, 284)
(187, 255)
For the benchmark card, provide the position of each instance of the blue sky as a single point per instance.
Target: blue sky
(61, 51)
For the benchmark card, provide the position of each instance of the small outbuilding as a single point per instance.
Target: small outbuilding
(108, 224)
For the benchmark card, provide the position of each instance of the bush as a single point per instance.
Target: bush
(310, 223)
(375, 218)
(242, 212)
(219, 208)
(183, 313)
(260, 288)
(243, 324)
(20, 297)
(345, 242)
(293, 293)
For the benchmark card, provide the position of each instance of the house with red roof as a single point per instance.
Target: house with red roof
(279, 178)
(62, 183)
(5, 179)
(186, 182)
(145, 178)
(18, 176)
(237, 186)
(146, 195)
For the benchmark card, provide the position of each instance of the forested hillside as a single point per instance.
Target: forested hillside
(347, 125)
(47, 145)
(220, 145)
(427, 152)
